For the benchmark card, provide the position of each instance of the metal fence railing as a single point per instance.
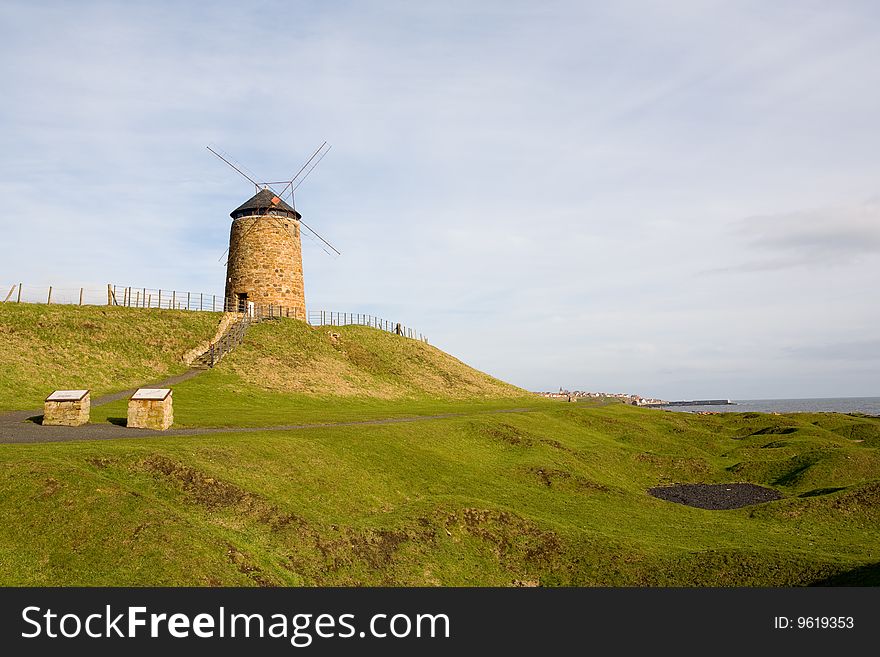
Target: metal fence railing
(233, 337)
(333, 318)
(157, 298)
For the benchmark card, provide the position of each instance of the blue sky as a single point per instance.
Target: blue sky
(673, 199)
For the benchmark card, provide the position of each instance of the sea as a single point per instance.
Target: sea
(866, 405)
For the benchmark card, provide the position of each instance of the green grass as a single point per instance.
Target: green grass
(289, 373)
(101, 348)
(552, 496)
(291, 357)
(217, 399)
(555, 496)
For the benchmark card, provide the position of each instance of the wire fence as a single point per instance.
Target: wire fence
(333, 318)
(83, 296)
(145, 297)
(157, 298)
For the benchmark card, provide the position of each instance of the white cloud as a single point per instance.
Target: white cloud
(535, 186)
(812, 238)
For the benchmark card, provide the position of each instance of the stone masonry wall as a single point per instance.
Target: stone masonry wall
(265, 262)
(67, 413)
(148, 414)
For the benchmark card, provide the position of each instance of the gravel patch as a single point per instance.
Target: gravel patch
(715, 496)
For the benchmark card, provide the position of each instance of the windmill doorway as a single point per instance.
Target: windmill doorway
(241, 299)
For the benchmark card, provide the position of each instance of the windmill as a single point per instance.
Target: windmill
(264, 266)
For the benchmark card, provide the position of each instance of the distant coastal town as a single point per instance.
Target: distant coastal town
(575, 395)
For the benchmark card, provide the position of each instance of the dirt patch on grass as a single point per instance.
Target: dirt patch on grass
(246, 566)
(202, 489)
(865, 499)
(715, 496)
(374, 548)
(859, 504)
(517, 437)
(508, 434)
(551, 477)
(50, 487)
(674, 467)
(739, 567)
(215, 494)
(350, 556)
(515, 541)
(341, 555)
(330, 555)
(101, 462)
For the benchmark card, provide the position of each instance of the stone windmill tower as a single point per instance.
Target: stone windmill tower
(265, 256)
(264, 266)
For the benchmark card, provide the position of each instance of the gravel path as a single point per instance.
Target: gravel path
(21, 430)
(715, 496)
(19, 423)
(13, 417)
(22, 427)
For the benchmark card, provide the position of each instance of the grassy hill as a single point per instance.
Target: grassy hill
(287, 372)
(102, 348)
(554, 494)
(355, 361)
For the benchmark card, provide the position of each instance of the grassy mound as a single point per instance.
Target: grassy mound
(551, 494)
(287, 372)
(354, 361)
(102, 348)
(555, 496)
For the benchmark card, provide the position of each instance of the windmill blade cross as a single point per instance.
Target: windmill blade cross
(288, 187)
(310, 170)
(292, 180)
(313, 232)
(255, 183)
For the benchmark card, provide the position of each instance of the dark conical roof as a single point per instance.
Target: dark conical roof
(262, 203)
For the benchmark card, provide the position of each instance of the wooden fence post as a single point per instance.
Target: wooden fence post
(19, 294)
(187, 300)
(80, 296)
(214, 304)
(49, 300)
(173, 299)
(160, 298)
(109, 298)
(11, 290)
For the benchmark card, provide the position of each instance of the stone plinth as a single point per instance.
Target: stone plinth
(67, 408)
(151, 408)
